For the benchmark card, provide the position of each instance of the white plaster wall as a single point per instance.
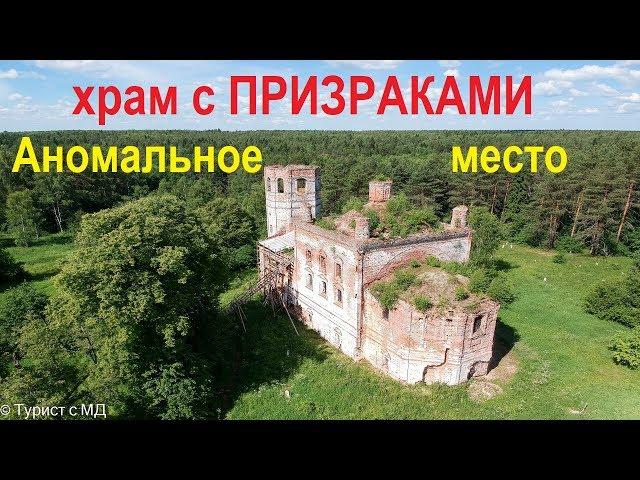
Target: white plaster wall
(336, 323)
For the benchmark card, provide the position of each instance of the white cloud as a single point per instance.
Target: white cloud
(100, 68)
(15, 97)
(449, 63)
(587, 111)
(633, 97)
(11, 73)
(605, 89)
(551, 88)
(617, 72)
(578, 93)
(559, 103)
(366, 64)
(628, 108)
(453, 72)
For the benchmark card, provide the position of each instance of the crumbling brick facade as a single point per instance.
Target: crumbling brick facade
(328, 285)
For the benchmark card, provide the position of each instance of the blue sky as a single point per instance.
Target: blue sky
(38, 95)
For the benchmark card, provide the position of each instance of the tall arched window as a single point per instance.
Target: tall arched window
(280, 185)
(268, 184)
(301, 185)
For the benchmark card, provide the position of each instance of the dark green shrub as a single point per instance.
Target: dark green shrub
(403, 219)
(415, 263)
(480, 280)
(569, 244)
(422, 303)
(10, 270)
(626, 348)
(559, 258)
(617, 301)
(243, 257)
(461, 293)
(373, 217)
(501, 290)
(487, 235)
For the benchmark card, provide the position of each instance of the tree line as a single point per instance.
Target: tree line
(594, 201)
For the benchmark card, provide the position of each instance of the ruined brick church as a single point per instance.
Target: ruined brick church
(325, 278)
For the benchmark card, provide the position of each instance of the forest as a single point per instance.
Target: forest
(594, 201)
(128, 314)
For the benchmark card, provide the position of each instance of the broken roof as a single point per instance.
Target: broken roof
(279, 243)
(437, 284)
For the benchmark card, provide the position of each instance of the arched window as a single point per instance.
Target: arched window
(309, 280)
(338, 296)
(338, 270)
(323, 263)
(301, 185)
(280, 185)
(268, 184)
(323, 288)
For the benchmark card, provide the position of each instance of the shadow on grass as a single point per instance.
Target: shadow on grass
(44, 275)
(56, 239)
(269, 351)
(503, 265)
(506, 337)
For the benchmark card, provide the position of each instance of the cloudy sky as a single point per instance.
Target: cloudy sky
(38, 95)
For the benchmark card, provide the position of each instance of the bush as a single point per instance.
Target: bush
(461, 293)
(354, 203)
(626, 348)
(487, 235)
(559, 258)
(433, 261)
(10, 270)
(404, 279)
(422, 303)
(480, 280)
(388, 293)
(403, 219)
(455, 268)
(415, 263)
(569, 244)
(501, 290)
(243, 257)
(617, 301)
(19, 305)
(373, 217)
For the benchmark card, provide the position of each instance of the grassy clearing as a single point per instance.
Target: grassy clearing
(42, 260)
(564, 367)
